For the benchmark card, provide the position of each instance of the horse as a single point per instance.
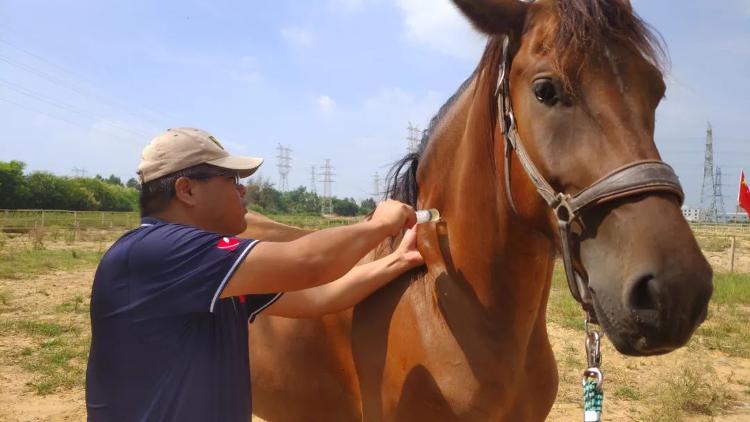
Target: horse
(548, 146)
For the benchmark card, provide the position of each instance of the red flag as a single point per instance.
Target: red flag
(743, 198)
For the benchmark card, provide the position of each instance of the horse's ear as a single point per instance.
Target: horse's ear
(494, 17)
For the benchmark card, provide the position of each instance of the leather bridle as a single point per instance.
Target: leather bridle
(638, 177)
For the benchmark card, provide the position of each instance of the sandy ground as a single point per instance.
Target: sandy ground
(33, 298)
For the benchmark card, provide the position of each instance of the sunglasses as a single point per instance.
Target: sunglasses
(228, 174)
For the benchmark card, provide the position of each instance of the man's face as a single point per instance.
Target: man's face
(219, 205)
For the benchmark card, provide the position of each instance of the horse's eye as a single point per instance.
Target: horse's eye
(546, 92)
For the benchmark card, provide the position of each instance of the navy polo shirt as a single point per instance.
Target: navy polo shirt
(164, 346)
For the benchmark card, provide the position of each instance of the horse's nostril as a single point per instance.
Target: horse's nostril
(643, 294)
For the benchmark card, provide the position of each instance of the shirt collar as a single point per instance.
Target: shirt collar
(149, 221)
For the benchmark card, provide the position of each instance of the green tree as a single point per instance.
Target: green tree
(47, 191)
(133, 184)
(300, 201)
(13, 189)
(114, 180)
(367, 206)
(260, 192)
(345, 207)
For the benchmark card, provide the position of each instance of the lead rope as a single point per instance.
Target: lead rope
(593, 378)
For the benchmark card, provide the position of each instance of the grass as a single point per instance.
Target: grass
(32, 262)
(562, 309)
(731, 289)
(714, 243)
(729, 305)
(57, 358)
(691, 389)
(314, 222)
(73, 306)
(628, 393)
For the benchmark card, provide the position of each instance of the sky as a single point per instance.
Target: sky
(85, 85)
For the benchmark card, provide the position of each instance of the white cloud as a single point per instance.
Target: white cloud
(297, 36)
(437, 24)
(326, 103)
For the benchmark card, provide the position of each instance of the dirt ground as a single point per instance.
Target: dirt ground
(34, 298)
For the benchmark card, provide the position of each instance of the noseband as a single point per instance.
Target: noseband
(638, 177)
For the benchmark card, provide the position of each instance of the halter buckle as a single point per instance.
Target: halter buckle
(563, 210)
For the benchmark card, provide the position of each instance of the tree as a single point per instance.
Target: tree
(300, 201)
(345, 207)
(261, 193)
(133, 184)
(367, 206)
(13, 189)
(114, 180)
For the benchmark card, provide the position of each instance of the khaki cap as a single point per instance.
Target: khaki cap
(180, 148)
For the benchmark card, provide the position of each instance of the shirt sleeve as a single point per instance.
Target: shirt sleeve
(257, 303)
(180, 269)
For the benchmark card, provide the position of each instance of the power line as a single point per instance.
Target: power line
(65, 106)
(52, 116)
(78, 88)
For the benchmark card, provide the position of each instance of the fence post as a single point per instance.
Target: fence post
(731, 259)
(76, 226)
(42, 218)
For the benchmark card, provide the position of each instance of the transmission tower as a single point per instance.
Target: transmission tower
(327, 202)
(708, 190)
(376, 192)
(284, 165)
(719, 200)
(413, 138)
(79, 172)
(313, 187)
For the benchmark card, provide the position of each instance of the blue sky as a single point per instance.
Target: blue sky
(86, 84)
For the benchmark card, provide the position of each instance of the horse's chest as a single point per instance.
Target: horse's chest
(455, 368)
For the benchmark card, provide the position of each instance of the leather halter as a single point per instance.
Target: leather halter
(645, 176)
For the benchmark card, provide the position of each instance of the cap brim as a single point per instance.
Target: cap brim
(244, 165)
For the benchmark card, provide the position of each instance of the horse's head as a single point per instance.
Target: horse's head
(584, 85)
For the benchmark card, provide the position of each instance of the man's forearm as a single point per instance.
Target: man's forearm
(342, 293)
(326, 254)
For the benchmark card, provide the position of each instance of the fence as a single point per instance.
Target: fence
(726, 245)
(22, 221)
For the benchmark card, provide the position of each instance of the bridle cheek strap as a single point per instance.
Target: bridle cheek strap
(636, 178)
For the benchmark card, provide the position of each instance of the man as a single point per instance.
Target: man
(171, 300)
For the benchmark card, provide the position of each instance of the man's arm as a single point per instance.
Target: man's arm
(353, 287)
(318, 257)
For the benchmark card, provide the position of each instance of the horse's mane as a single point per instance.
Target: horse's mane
(589, 27)
(584, 27)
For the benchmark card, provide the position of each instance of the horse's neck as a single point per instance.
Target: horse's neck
(481, 244)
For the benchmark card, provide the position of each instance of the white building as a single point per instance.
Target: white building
(692, 214)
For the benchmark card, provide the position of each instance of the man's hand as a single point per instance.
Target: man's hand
(407, 250)
(394, 216)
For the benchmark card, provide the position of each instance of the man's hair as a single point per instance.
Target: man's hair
(156, 194)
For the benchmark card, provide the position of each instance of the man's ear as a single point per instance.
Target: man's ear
(183, 190)
(494, 17)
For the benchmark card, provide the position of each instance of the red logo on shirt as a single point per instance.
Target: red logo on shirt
(228, 243)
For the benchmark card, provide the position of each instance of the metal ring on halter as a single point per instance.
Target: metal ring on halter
(593, 373)
(564, 205)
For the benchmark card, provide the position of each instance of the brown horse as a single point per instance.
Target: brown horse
(466, 339)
